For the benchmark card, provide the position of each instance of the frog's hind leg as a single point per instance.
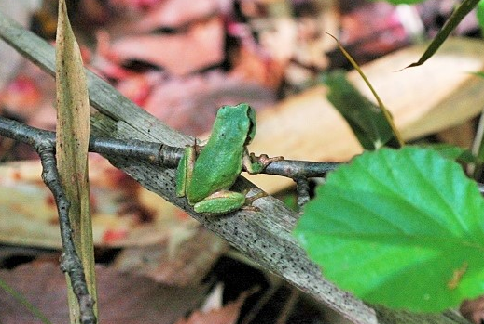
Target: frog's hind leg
(220, 202)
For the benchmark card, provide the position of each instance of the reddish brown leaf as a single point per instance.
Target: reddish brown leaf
(190, 104)
(175, 14)
(122, 298)
(187, 259)
(201, 46)
(473, 310)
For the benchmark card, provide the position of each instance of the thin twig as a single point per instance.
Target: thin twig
(70, 262)
(294, 169)
(44, 143)
(155, 153)
(303, 194)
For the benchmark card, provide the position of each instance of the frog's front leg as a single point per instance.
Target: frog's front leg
(222, 202)
(184, 170)
(256, 164)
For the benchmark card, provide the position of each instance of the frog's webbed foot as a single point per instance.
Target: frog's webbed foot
(256, 164)
(264, 159)
(260, 194)
(249, 200)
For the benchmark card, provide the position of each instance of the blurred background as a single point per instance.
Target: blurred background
(180, 60)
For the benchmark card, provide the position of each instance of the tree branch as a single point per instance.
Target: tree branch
(70, 262)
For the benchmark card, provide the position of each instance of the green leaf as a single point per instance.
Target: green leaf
(479, 74)
(401, 228)
(480, 14)
(453, 153)
(457, 16)
(367, 120)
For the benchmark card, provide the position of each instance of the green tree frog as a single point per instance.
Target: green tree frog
(205, 178)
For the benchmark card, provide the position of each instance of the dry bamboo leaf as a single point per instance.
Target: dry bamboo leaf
(73, 126)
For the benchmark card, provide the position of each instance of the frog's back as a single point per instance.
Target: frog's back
(220, 161)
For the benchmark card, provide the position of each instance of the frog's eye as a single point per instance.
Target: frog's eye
(252, 128)
(250, 133)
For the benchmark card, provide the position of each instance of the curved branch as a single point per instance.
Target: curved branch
(70, 263)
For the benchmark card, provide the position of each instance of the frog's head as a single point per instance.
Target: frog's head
(240, 117)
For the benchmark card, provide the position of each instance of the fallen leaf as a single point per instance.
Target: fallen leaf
(123, 298)
(175, 14)
(473, 310)
(123, 213)
(190, 104)
(184, 260)
(199, 47)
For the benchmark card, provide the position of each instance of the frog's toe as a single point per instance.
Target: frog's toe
(264, 159)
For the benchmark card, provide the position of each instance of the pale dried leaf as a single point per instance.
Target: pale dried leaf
(123, 213)
(73, 131)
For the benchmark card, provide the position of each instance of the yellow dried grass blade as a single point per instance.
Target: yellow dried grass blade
(24, 302)
(73, 127)
(386, 113)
